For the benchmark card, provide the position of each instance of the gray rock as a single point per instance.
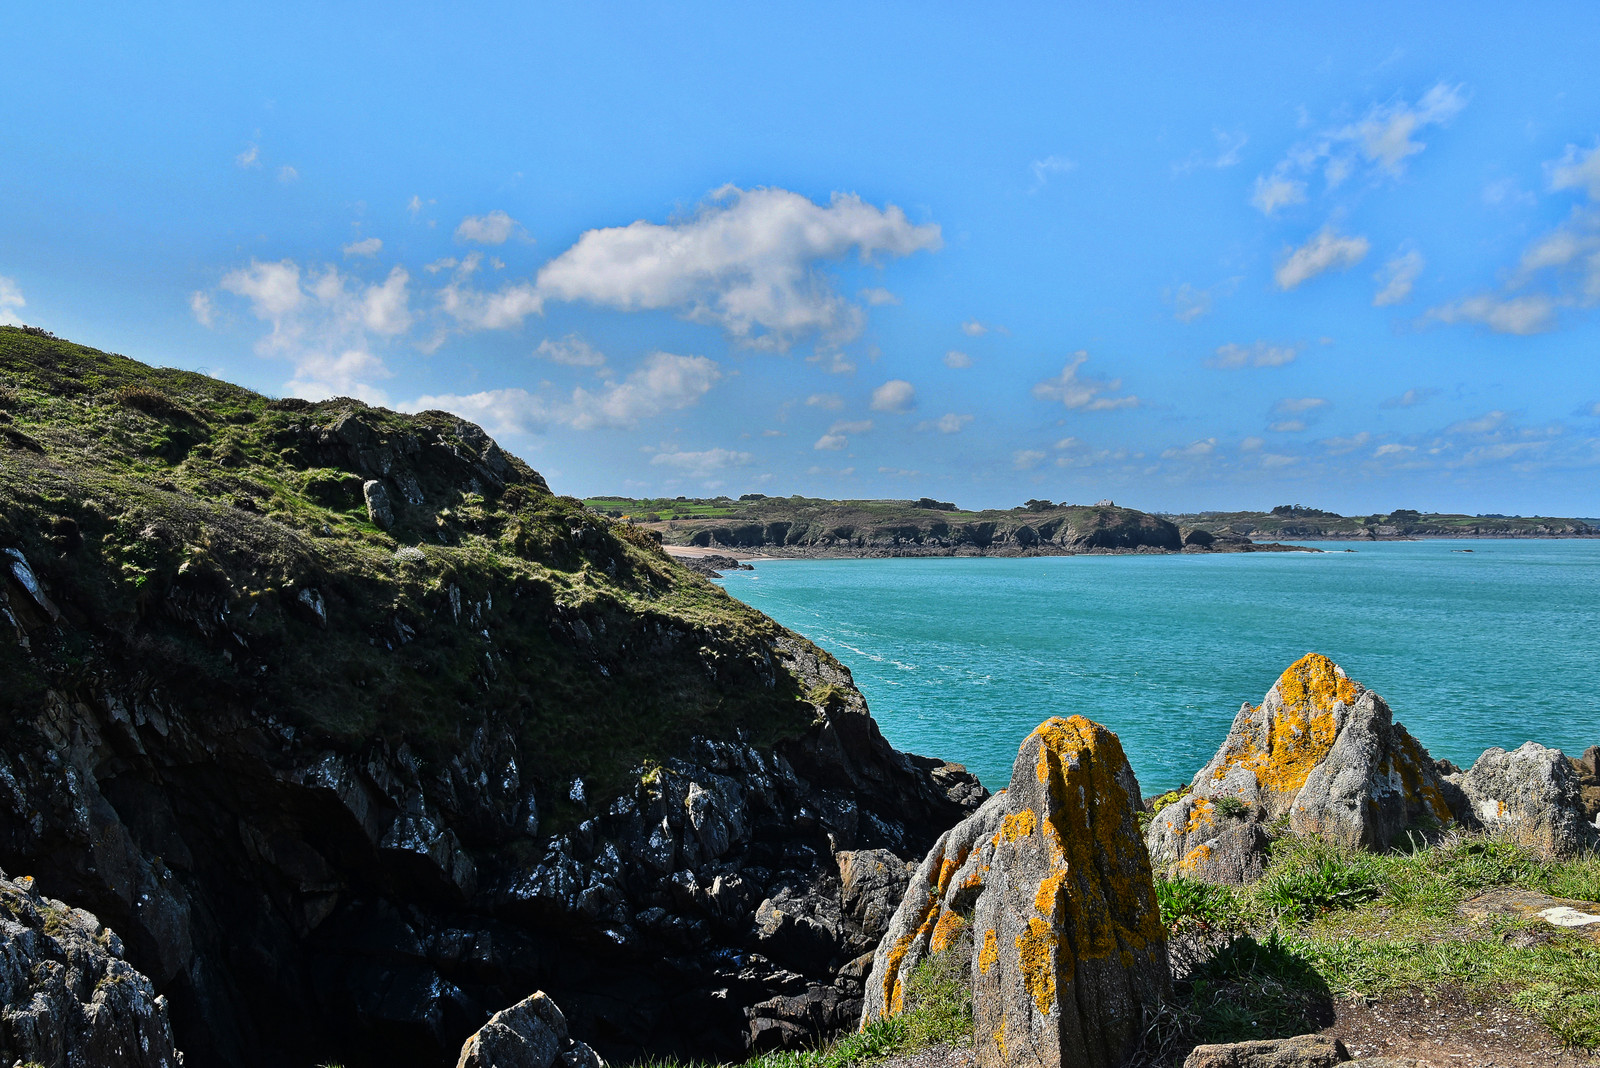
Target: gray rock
(379, 509)
(1587, 770)
(530, 1034)
(1322, 751)
(1302, 1051)
(871, 884)
(1531, 793)
(66, 995)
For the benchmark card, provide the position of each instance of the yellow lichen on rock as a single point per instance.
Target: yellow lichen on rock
(1036, 950)
(989, 953)
(893, 991)
(1018, 825)
(946, 931)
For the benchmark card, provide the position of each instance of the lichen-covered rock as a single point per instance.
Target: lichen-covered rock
(1587, 770)
(935, 907)
(530, 1034)
(1531, 793)
(1302, 1051)
(66, 995)
(1321, 750)
(1070, 953)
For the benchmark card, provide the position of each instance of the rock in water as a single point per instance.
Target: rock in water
(1070, 952)
(1321, 750)
(530, 1034)
(1533, 793)
(66, 995)
(1048, 891)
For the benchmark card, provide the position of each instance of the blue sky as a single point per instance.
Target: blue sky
(1183, 256)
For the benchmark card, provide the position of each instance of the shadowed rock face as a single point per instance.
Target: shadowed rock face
(1322, 751)
(66, 995)
(1048, 889)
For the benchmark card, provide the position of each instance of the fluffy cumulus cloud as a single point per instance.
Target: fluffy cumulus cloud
(494, 228)
(367, 246)
(1027, 459)
(701, 464)
(957, 359)
(499, 411)
(1397, 278)
(1081, 393)
(878, 297)
(831, 402)
(1195, 450)
(1190, 303)
(749, 261)
(1260, 354)
(11, 302)
(1296, 405)
(1528, 314)
(1325, 252)
(838, 435)
(665, 382)
(321, 321)
(895, 395)
(1578, 169)
(1375, 146)
(570, 351)
(948, 423)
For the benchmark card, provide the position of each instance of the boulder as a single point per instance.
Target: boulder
(1532, 793)
(1302, 1051)
(1321, 751)
(1070, 952)
(380, 510)
(1587, 770)
(66, 995)
(1047, 891)
(530, 1034)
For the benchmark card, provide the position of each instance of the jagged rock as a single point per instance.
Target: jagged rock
(871, 884)
(1587, 770)
(1071, 955)
(379, 508)
(937, 905)
(530, 1034)
(1321, 750)
(793, 1022)
(1302, 1051)
(1532, 793)
(66, 995)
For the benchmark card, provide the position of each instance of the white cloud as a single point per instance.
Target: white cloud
(273, 289)
(1276, 191)
(1409, 399)
(948, 423)
(1190, 303)
(747, 261)
(1229, 147)
(1392, 449)
(895, 395)
(831, 442)
(701, 464)
(877, 296)
(385, 308)
(500, 310)
(1288, 426)
(200, 306)
(351, 373)
(1042, 169)
(1577, 169)
(1278, 459)
(1292, 405)
(250, 157)
(11, 302)
(1026, 459)
(1397, 278)
(957, 359)
(369, 246)
(1378, 144)
(973, 328)
(287, 174)
(1195, 450)
(664, 383)
(1531, 314)
(1260, 354)
(494, 228)
(829, 401)
(570, 351)
(854, 426)
(1251, 444)
(1506, 191)
(1082, 394)
(1486, 423)
(1324, 252)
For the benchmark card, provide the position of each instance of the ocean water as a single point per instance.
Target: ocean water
(961, 658)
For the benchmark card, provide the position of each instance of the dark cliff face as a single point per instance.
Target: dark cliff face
(356, 734)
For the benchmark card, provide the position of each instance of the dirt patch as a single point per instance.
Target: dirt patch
(1444, 1029)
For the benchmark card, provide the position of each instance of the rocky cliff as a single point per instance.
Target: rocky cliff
(356, 734)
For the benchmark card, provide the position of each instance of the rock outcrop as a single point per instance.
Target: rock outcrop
(530, 1034)
(1301, 1051)
(67, 996)
(1587, 770)
(1048, 889)
(1321, 752)
(1532, 793)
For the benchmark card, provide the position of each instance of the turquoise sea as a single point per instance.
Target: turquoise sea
(960, 658)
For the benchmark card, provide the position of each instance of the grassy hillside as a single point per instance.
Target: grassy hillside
(1292, 521)
(221, 541)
